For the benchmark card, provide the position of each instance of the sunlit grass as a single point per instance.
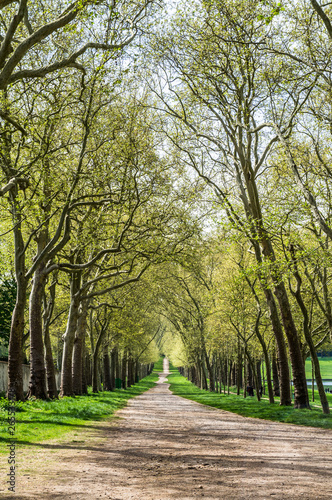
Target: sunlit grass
(325, 368)
(158, 367)
(42, 420)
(248, 407)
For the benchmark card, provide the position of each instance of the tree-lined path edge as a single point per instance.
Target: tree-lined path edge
(166, 447)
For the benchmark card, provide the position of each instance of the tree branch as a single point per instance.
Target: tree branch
(116, 287)
(323, 16)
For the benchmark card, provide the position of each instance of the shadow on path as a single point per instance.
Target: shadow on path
(165, 447)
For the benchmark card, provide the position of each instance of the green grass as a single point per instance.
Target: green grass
(248, 407)
(325, 368)
(158, 367)
(39, 420)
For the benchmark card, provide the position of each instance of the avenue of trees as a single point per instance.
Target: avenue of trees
(165, 188)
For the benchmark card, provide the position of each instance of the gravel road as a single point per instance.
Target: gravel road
(166, 447)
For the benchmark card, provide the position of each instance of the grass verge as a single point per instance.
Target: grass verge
(43, 420)
(248, 407)
(158, 367)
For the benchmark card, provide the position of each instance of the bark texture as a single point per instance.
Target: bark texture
(37, 384)
(69, 338)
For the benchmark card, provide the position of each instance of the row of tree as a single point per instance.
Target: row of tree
(166, 175)
(246, 87)
(87, 201)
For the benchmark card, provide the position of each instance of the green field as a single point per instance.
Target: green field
(325, 367)
(38, 420)
(249, 407)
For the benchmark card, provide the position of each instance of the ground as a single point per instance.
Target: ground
(166, 447)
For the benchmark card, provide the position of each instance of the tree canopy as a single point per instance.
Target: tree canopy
(165, 188)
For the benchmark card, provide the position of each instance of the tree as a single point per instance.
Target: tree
(304, 131)
(7, 304)
(32, 34)
(230, 141)
(30, 37)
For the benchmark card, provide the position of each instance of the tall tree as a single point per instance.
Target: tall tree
(231, 140)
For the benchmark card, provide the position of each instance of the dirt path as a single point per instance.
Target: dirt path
(165, 447)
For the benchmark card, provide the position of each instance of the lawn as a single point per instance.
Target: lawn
(158, 367)
(42, 420)
(249, 407)
(325, 367)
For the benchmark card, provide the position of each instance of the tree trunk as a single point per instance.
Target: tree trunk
(268, 368)
(239, 368)
(52, 390)
(129, 368)
(284, 379)
(308, 337)
(259, 377)
(113, 369)
(77, 365)
(233, 379)
(312, 382)
(264, 249)
(69, 338)
(37, 384)
(221, 377)
(107, 371)
(85, 368)
(194, 375)
(117, 370)
(88, 368)
(250, 378)
(136, 372)
(131, 378)
(15, 354)
(275, 375)
(300, 384)
(301, 396)
(124, 370)
(210, 372)
(95, 357)
(77, 360)
(133, 372)
(50, 368)
(229, 375)
(95, 372)
(198, 374)
(252, 374)
(204, 385)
